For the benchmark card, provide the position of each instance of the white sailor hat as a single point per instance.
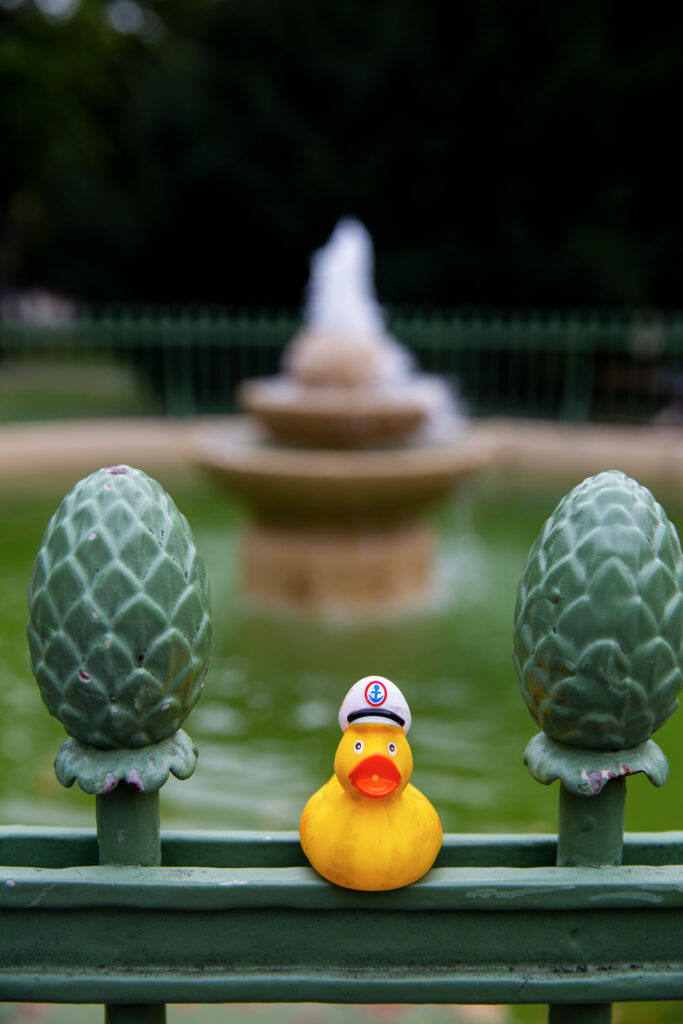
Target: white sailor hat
(374, 699)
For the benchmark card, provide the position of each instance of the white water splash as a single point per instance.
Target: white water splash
(340, 297)
(345, 343)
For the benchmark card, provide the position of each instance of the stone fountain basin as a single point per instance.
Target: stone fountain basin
(280, 482)
(328, 416)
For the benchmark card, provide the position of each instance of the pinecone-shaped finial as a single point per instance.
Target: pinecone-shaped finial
(119, 630)
(599, 631)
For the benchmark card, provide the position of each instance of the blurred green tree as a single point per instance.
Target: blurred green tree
(501, 152)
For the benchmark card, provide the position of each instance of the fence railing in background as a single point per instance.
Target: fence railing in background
(621, 368)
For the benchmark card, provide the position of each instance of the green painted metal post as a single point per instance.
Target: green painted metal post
(119, 631)
(128, 827)
(580, 1013)
(597, 648)
(591, 829)
(590, 834)
(128, 833)
(135, 1013)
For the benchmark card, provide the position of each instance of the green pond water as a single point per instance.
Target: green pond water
(266, 725)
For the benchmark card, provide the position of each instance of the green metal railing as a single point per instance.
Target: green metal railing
(136, 918)
(617, 368)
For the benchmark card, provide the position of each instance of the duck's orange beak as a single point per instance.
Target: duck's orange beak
(375, 776)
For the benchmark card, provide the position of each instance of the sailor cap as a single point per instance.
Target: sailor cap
(374, 699)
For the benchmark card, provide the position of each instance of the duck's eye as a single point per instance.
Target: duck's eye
(392, 749)
(358, 746)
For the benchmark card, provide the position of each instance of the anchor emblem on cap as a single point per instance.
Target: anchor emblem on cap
(375, 693)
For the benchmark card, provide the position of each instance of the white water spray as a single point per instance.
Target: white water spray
(340, 296)
(344, 342)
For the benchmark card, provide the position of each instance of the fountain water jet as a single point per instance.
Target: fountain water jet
(346, 382)
(342, 452)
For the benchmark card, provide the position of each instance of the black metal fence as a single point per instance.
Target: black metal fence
(617, 368)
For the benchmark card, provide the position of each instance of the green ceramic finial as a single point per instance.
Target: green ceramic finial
(598, 634)
(119, 631)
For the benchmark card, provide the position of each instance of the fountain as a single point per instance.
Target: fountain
(341, 453)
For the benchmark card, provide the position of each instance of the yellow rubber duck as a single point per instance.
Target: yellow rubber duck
(368, 828)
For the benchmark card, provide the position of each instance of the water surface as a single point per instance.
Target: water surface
(266, 725)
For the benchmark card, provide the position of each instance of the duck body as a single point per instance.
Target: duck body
(368, 827)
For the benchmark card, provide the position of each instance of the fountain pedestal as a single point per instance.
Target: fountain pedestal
(337, 567)
(333, 530)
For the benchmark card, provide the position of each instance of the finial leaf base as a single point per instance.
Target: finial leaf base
(586, 772)
(146, 769)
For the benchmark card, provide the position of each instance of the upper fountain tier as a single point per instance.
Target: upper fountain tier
(346, 383)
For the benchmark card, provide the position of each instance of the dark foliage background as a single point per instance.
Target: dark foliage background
(501, 152)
